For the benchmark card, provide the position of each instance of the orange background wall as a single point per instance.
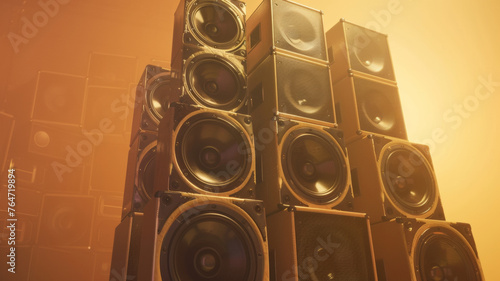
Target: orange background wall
(442, 51)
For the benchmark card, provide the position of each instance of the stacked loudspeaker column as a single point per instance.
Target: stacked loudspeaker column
(203, 221)
(302, 169)
(393, 179)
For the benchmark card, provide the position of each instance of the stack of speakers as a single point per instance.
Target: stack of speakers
(300, 170)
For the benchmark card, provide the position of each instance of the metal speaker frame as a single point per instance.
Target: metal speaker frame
(320, 244)
(302, 164)
(206, 151)
(288, 27)
(212, 224)
(202, 23)
(141, 167)
(393, 178)
(157, 88)
(425, 250)
(366, 106)
(353, 48)
(293, 88)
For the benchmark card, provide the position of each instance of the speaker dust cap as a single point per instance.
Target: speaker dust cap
(304, 89)
(215, 81)
(314, 166)
(299, 29)
(214, 152)
(408, 179)
(442, 254)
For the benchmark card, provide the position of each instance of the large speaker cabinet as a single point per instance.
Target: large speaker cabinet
(200, 237)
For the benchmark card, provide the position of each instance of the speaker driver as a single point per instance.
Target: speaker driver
(377, 111)
(314, 165)
(213, 81)
(296, 29)
(146, 171)
(370, 56)
(212, 153)
(305, 93)
(159, 91)
(443, 255)
(217, 24)
(408, 179)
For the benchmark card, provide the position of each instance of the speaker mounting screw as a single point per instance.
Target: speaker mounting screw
(258, 209)
(281, 123)
(409, 226)
(247, 120)
(286, 199)
(358, 132)
(166, 200)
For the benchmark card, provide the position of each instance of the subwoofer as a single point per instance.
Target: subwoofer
(288, 27)
(212, 24)
(353, 48)
(157, 88)
(206, 151)
(141, 168)
(302, 164)
(213, 79)
(292, 87)
(393, 178)
(318, 244)
(425, 250)
(366, 106)
(199, 237)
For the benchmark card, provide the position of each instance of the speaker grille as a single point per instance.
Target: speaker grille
(304, 89)
(299, 29)
(379, 108)
(333, 247)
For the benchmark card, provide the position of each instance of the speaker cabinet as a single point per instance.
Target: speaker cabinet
(199, 237)
(319, 244)
(141, 168)
(59, 98)
(353, 48)
(302, 164)
(292, 87)
(66, 221)
(425, 250)
(213, 79)
(157, 88)
(206, 151)
(126, 248)
(393, 178)
(366, 106)
(211, 24)
(288, 27)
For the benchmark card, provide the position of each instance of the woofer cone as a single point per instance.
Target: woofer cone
(408, 179)
(215, 82)
(210, 246)
(315, 165)
(213, 153)
(217, 24)
(371, 57)
(443, 255)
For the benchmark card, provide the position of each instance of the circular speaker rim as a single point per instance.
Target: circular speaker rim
(426, 230)
(432, 206)
(177, 151)
(301, 196)
(237, 15)
(197, 204)
(146, 155)
(240, 97)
